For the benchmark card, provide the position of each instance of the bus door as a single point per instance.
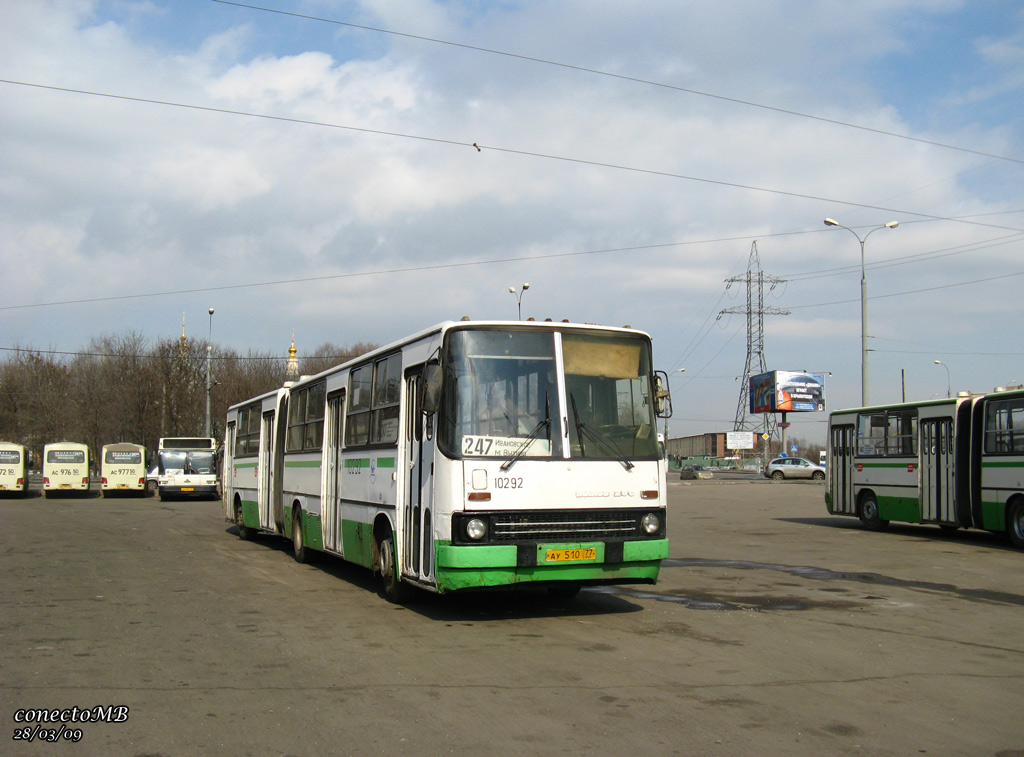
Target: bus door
(418, 552)
(334, 436)
(840, 470)
(938, 500)
(265, 481)
(227, 478)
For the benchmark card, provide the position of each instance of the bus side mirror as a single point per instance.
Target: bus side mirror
(662, 396)
(431, 388)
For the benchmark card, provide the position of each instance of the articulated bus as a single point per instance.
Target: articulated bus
(123, 469)
(187, 467)
(13, 468)
(957, 463)
(65, 467)
(470, 455)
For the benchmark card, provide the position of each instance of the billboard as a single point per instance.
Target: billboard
(787, 391)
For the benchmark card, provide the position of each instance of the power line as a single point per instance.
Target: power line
(920, 257)
(912, 291)
(508, 150)
(623, 77)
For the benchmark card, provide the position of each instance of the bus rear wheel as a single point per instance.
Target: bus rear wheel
(244, 532)
(1015, 523)
(869, 514)
(394, 590)
(300, 552)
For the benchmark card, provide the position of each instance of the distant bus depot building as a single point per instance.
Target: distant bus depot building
(709, 445)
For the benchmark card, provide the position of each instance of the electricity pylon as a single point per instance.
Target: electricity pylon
(755, 311)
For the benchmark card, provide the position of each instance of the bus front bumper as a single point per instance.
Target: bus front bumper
(478, 566)
(188, 491)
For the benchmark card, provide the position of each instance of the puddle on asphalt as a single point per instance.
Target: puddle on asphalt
(697, 602)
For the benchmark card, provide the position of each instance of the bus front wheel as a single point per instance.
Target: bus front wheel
(869, 514)
(1015, 523)
(394, 590)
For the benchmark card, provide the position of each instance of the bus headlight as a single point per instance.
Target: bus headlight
(476, 529)
(650, 524)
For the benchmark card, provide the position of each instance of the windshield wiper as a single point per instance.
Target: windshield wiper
(532, 436)
(601, 443)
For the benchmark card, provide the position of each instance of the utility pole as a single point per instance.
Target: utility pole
(755, 311)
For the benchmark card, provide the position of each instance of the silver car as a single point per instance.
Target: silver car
(782, 468)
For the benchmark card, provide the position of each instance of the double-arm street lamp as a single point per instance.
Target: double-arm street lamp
(519, 298)
(863, 303)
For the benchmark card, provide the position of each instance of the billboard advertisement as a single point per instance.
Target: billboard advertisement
(787, 391)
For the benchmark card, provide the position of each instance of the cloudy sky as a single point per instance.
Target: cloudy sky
(310, 165)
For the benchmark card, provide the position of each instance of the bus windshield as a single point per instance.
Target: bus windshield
(193, 461)
(501, 396)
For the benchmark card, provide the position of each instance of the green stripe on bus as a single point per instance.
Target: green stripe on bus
(246, 465)
(1004, 464)
(301, 463)
(905, 509)
(366, 462)
(901, 466)
(993, 516)
(357, 542)
(250, 514)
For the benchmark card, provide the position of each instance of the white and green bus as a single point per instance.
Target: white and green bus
(187, 466)
(470, 455)
(14, 462)
(956, 463)
(123, 469)
(65, 467)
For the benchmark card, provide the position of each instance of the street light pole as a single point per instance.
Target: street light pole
(519, 298)
(863, 303)
(209, 353)
(949, 390)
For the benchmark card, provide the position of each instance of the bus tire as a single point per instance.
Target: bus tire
(244, 532)
(300, 551)
(868, 514)
(1015, 522)
(394, 590)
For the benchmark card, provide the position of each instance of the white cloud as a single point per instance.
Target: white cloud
(94, 190)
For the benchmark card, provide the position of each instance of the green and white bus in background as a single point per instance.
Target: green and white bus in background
(956, 463)
(65, 467)
(123, 469)
(473, 454)
(14, 467)
(187, 466)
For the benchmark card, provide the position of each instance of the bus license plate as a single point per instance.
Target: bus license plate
(187, 489)
(65, 486)
(569, 555)
(122, 486)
